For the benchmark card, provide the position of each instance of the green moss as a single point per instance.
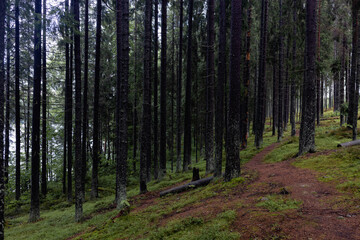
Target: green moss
(275, 203)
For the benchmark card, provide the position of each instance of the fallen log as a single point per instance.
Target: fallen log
(349, 144)
(194, 184)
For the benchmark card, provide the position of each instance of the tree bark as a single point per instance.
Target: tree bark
(210, 62)
(293, 84)
(122, 97)
(44, 92)
(35, 158)
(307, 131)
(146, 115)
(232, 169)
(96, 150)
(281, 88)
(156, 83)
(7, 115)
(342, 78)
(187, 123)
(260, 107)
(78, 160)
(219, 116)
(163, 88)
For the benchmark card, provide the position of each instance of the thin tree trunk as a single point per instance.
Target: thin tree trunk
(293, 84)
(156, 106)
(219, 116)
(352, 82)
(232, 169)
(17, 100)
(7, 115)
(318, 91)
(96, 157)
(179, 91)
(135, 117)
(342, 78)
(281, 88)
(163, 87)
(35, 158)
(44, 92)
(187, 123)
(2, 103)
(210, 62)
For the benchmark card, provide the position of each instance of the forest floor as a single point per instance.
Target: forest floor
(315, 196)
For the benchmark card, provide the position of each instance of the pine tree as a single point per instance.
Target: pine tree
(156, 83)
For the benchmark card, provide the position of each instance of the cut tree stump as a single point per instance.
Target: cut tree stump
(196, 174)
(194, 184)
(349, 144)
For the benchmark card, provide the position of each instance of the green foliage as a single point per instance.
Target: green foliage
(344, 108)
(276, 203)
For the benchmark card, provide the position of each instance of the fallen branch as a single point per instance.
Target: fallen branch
(195, 184)
(349, 144)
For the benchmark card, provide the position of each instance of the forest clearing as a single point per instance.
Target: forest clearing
(173, 119)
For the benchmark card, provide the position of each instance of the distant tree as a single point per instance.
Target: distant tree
(156, 83)
(210, 68)
(280, 84)
(35, 158)
(219, 117)
(187, 122)
(232, 169)
(307, 130)
(293, 83)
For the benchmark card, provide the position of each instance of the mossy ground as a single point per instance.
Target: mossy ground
(165, 218)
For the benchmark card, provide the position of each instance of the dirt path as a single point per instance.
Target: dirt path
(317, 219)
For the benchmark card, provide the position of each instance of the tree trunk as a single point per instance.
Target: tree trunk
(260, 107)
(2, 103)
(187, 123)
(352, 82)
(210, 62)
(17, 99)
(78, 160)
(281, 88)
(7, 115)
(44, 90)
(342, 78)
(156, 105)
(307, 131)
(232, 169)
(163, 88)
(85, 98)
(96, 150)
(318, 75)
(135, 114)
(246, 83)
(35, 158)
(122, 19)
(293, 84)
(219, 116)
(146, 115)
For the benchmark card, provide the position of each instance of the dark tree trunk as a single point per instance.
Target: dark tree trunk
(78, 160)
(275, 100)
(179, 91)
(44, 92)
(85, 100)
(219, 117)
(246, 83)
(352, 81)
(122, 19)
(342, 78)
(286, 90)
(318, 75)
(7, 116)
(156, 106)
(307, 131)
(232, 169)
(2, 103)
(293, 84)
(135, 114)
(210, 66)
(35, 153)
(281, 87)
(163, 88)
(187, 123)
(260, 107)
(172, 94)
(69, 103)
(146, 115)
(96, 150)
(17, 98)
